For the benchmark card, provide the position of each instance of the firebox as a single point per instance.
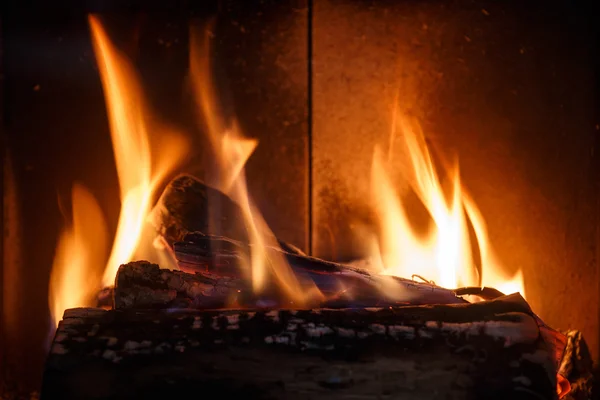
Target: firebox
(394, 134)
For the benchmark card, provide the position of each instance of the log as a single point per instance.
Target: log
(189, 205)
(489, 350)
(220, 284)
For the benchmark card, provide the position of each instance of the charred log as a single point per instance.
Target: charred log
(189, 205)
(219, 282)
(491, 350)
(144, 285)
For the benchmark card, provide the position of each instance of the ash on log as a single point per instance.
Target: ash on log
(489, 350)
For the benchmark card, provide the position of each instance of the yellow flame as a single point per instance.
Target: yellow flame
(232, 150)
(79, 258)
(139, 174)
(140, 171)
(444, 254)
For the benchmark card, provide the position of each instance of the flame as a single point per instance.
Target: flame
(80, 253)
(140, 171)
(232, 150)
(444, 254)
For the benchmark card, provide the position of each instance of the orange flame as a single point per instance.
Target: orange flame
(444, 254)
(139, 175)
(81, 250)
(232, 150)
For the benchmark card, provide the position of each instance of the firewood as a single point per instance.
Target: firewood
(217, 281)
(142, 285)
(490, 350)
(188, 205)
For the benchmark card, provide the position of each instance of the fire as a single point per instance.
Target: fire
(444, 254)
(231, 150)
(140, 171)
(77, 267)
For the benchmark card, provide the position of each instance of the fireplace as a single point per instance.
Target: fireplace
(507, 88)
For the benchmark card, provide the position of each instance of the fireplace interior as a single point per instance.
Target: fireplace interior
(509, 89)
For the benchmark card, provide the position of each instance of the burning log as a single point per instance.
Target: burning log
(218, 281)
(490, 350)
(188, 205)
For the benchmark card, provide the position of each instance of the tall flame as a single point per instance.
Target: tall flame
(444, 254)
(140, 173)
(232, 150)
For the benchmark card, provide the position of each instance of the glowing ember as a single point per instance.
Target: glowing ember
(139, 176)
(444, 254)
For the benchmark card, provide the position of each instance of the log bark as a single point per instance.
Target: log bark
(490, 350)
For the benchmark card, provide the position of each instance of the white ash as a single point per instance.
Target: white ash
(197, 324)
(401, 331)
(318, 331)
(274, 315)
(291, 327)
(315, 346)
(378, 328)
(233, 319)
(363, 335)
(109, 354)
(145, 343)
(426, 334)
(215, 323)
(131, 345)
(345, 333)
